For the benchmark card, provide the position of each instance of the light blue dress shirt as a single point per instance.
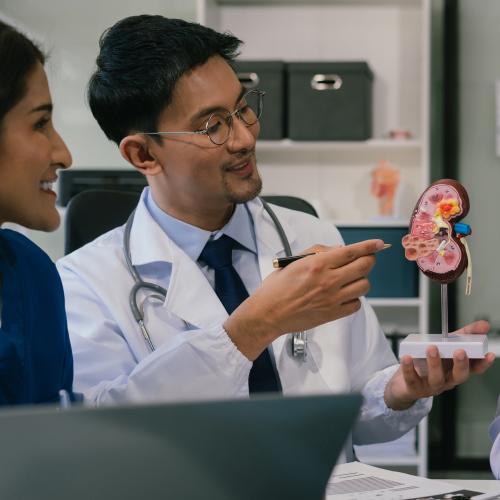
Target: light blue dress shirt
(192, 240)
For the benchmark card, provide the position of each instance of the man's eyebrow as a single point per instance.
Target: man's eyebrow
(213, 109)
(48, 107)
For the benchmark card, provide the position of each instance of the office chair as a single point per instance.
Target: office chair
(93, 212)
(292, 202)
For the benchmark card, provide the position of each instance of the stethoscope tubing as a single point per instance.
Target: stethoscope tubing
(299, 339)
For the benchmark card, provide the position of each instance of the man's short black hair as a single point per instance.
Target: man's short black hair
(141, 59)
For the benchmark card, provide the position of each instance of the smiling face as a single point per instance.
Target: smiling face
(197, 181)
(30, 153)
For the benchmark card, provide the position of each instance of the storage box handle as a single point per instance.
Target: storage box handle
(248, 80)
(326, 82)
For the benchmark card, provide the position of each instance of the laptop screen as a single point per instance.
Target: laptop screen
(258, 448)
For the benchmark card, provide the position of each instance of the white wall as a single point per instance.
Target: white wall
(479, 167)
(69, 31)
(479, 171)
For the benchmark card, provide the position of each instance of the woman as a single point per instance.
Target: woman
(35, 352)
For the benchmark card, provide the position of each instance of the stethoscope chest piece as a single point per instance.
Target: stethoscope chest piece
(299, 345)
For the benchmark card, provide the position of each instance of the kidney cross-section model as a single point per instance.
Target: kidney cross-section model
(436, 240)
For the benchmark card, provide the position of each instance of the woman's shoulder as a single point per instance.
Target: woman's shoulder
(20, 242)
(21, 251)
(28, 267)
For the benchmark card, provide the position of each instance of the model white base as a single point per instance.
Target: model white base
(476, 346)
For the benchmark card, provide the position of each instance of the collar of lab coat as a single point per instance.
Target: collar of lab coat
(149, 243)
(189, 294)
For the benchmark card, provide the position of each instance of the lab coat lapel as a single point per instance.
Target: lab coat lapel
(189, 294)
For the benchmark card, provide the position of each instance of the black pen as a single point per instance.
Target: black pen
(281, 262)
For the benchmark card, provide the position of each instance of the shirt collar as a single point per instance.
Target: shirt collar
(192, 239)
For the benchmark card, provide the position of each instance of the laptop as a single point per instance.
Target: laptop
(259, 448)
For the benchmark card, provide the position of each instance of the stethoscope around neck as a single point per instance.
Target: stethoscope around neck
(298, 339)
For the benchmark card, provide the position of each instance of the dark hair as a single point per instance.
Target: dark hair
(18, 57)
(140, 61)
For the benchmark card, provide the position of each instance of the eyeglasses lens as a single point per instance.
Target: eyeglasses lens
(251, 107)
(249, 110)
(218, 128)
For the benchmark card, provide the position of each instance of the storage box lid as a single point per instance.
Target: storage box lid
(258, 66)
(331, 67)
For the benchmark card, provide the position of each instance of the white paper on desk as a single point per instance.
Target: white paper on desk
(355, 481)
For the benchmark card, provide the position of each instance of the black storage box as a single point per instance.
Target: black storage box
(393, 275)
(329, 101)
(267, 76)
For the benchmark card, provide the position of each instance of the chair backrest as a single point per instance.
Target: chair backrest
(292, 202)
(95, 211)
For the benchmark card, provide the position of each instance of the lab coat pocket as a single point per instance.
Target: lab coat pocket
(325, 369)
(163, 325)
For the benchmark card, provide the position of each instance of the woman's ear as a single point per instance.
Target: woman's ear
(137, 151)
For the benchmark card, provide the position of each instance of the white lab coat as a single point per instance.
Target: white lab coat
(194, 357)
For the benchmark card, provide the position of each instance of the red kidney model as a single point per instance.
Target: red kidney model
(437, 239)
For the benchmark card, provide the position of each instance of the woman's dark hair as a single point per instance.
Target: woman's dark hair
(18, 57)
(140, 61)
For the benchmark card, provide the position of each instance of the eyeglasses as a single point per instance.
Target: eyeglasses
(220, 124)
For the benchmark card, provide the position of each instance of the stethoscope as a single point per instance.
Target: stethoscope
(298, 339)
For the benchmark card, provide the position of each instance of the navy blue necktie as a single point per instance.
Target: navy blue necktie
(229, 287)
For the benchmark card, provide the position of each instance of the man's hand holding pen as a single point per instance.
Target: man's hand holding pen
(281, 262)
(309, 292)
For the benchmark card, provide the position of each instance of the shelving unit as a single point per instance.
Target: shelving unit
(395, 302)
(374, 145)
(394, 37)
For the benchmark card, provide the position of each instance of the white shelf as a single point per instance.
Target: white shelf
(372, 145)
(395, 453)
(396, 302)
(313, 2)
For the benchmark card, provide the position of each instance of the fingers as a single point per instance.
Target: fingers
(481, 326)
(460, 372)
(411, 378)
(478, 366)
(317, 249)
(435, 371)
(461, 369)
(354, 290)
(354, 271)
(350, 307)
(339, 257)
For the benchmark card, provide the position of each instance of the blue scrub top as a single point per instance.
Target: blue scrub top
(35, 351)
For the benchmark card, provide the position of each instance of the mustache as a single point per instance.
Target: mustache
(249, 156)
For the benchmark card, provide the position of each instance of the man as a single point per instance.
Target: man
(165, 92)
